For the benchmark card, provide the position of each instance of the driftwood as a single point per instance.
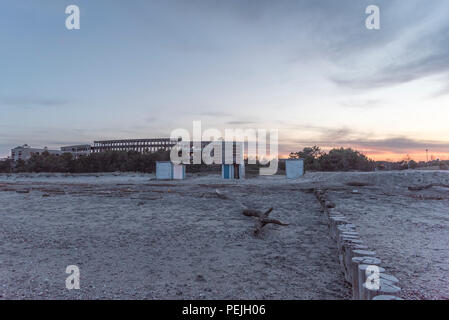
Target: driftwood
(419, 188)
(358, 184)
(23, 191)
(421, 197)
(262, 219)
(221, 195)
(217, 194)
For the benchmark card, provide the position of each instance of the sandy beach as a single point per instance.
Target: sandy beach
(133, 237)
(137, 238)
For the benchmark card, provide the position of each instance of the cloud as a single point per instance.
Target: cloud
(398, 73)
(402, 144)
(29, 102)
(345, 137)
(207, 113)
(413, 43)
(443, 90)
(367, 103)
(240, 122)
(214, 114)
(151, 119)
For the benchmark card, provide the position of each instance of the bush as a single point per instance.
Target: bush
(95, 162)
(311, 157)
(345, 160)
(6, 166)
(336, 160)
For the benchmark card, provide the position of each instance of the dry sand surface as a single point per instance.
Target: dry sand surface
(409, 229)
(133, 237)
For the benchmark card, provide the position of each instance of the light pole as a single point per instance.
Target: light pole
(427, 156)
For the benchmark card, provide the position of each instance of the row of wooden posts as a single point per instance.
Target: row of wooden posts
(359, 263)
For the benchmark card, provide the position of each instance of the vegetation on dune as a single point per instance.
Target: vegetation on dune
(339, 159)
(95, 162)
(335, 160)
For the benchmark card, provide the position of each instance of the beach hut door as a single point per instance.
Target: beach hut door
(236, 171)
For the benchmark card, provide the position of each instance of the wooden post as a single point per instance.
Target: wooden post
(354, 268)
(385, 288)
(390, 278)
(359, 293)
(384, 297)
(343, 236)
(345, 248)
(350, 253)
(383, 276)
(334, 222)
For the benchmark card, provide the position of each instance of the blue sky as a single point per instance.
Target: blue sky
(139, 69)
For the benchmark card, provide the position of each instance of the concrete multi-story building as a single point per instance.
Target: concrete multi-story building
(139, 145)
(25, 152)
(78, 150)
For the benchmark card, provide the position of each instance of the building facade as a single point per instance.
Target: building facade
(229, 152)
(138, 145)
(78, 150)
(25, 152)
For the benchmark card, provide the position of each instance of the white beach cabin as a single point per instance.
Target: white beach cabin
(294, 168)
(233, 171)
(179, 171)
(233, 164)
(166, 170)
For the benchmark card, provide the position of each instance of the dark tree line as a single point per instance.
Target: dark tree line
(5, 166)
(315, 159)
(95, 162)
(335, 160)
(411, 164)
(342, 159)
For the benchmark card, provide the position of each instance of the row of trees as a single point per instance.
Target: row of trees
(411, 164)
(335, 160)
(342, 159)
(314, 159)
(95, 162)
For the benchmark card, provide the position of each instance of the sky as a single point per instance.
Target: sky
(311, 69)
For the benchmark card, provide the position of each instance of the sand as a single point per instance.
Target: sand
(408, 229)
(137, 238)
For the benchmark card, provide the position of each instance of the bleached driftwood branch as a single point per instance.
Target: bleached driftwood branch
(262, 218)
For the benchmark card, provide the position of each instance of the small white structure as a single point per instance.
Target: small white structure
(233, 171)
(179, 171)
(233, 164)
(166, 170)
(294, 168)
